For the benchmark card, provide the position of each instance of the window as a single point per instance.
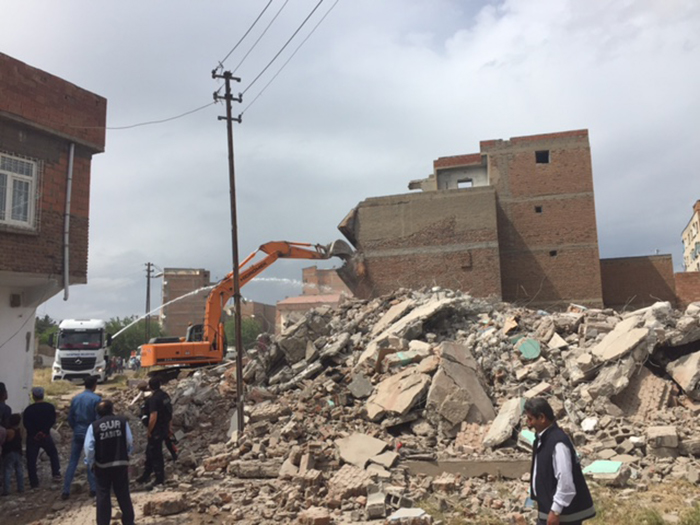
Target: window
(553, 253)
(538, 209)
(17, 190)
(542, 157)
(465, 183)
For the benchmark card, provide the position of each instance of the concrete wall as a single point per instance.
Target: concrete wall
(440, 238)
(687, 288)
(546, 219)
(635, 282)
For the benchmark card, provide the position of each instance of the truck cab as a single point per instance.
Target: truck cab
(82, 349)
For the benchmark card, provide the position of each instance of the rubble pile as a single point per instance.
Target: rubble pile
(366, 411)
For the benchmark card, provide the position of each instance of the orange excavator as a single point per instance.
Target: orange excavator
(205, 344)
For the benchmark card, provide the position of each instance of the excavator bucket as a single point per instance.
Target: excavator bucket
(340, 249)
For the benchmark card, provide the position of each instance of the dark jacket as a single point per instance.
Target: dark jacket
(111, 446)
(38, 418)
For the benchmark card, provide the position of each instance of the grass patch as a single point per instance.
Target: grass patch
(692, 517)
(42, 378)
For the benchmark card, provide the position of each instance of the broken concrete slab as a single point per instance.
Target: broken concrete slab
(612, 379)
(358, 448)
(662, 436)
(613, 473)
(412, 516)
(503, 426)
(360, 386)
(506, 468)
(538, 390)
(557, 342)
(397, 394)
(392, 315)
(410, 326)
(385, 459)
(622, 340)
(456, 393)
(686, 372)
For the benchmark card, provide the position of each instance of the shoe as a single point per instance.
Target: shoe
(155, 484)
(57, 477)
(65, 496)
(92, 493)
(143, 478)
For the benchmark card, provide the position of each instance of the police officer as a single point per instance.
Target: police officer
(160, 412)
(108, 443)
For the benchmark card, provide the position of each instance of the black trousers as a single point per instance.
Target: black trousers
(544, 522)
(117, 479)
(154, 458)
(33, 447)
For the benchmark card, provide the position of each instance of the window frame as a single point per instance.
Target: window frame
(12, 176)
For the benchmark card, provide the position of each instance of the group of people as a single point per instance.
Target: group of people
(104, 438)
(115, 365)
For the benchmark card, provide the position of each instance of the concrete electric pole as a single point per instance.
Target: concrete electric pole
(236, 292)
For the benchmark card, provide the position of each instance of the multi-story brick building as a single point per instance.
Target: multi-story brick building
(49, 131)
(515, 221)
(691, 241)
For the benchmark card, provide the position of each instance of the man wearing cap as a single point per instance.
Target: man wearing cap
(38, 418)
(82, 413)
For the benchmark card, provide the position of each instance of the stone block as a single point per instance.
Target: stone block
(686, 372)
(503, 426)
(165, 504)
(314, 516)
(662, 436)
(376, 506)
(348, 482)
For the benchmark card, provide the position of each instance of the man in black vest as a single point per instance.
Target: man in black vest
(108, 443)
(556, 480)
(160, 412)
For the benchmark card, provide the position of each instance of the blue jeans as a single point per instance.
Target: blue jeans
(76, 450)
(12, 462)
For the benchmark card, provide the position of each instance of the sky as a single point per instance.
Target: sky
(377, 92)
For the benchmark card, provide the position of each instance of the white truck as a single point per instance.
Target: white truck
(82, 349)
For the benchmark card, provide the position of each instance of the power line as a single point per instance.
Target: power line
(221, 62)
(148, 123)
(283, 47)
(163, 120)
(261, 35)
(290, 57)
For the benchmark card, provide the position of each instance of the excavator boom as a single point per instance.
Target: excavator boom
(211, 348)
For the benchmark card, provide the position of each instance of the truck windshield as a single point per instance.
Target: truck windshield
(84, 340)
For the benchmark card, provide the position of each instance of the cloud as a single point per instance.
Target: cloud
(379, 91)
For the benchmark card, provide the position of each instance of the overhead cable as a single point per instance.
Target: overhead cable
(163, 120)
(261, 35)
(221, 62)
(290, 57)
(283, 47)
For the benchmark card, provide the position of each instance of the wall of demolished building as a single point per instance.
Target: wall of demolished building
(445, 238)
(633, 282)
(687, 288)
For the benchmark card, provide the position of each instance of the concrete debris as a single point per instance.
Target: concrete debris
(503, 426)
(357, 449)
(355, 413)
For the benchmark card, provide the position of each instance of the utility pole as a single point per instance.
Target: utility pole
(228, 97)
(149, 274)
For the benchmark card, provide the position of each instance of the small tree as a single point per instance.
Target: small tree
(43, 328)
(131, 338)
(250, 330)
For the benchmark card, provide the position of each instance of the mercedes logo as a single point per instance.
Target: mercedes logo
(78, 361)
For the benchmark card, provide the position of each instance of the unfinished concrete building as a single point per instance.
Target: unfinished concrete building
(515, 221)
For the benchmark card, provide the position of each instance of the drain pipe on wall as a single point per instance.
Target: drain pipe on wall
(66, 222)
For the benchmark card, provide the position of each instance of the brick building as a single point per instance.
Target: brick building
(515, 221)
(49, 131)
(196, 284)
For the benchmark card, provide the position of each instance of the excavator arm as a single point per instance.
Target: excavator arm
(274, 250)
(211, 348)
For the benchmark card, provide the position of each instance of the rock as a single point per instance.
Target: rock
(662, 436)
(360, 386)
(376, 505)
(456, 393)
(686, 372)
(165, 504)
(621, 340)
(397, 394)
(503, 426)
(413, 516)
(255, 469)
(385, 459)
(357, 449)
(314, 516)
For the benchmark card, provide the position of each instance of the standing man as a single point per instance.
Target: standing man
(108, 443)
(160, 412)
(38, 419)
(82, 414)
(556, 479)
